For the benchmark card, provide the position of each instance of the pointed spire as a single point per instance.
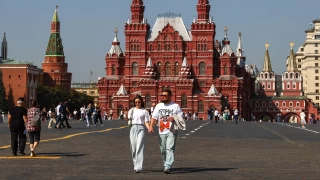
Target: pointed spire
(291, 62)
(149, 63)
(4, 38)
(55, 47)
(213, 91)
(184, 62)
(122, 91)
(115, 48)
(128, 21)
(55, 17)
(267, 63)
(4, 47)
(116, 35)
(239, 48)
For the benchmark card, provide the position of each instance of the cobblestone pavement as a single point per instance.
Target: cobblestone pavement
(248, 150)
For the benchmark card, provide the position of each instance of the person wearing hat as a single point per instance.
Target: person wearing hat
(17, 119)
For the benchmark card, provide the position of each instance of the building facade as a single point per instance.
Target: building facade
(54, 66)
(280, 93)
(308, 61)
(20, 79)
(201, 72)
(90, 89)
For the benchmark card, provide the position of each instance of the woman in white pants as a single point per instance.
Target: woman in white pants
(140, 119)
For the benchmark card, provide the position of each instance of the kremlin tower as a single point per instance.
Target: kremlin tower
(55, 68)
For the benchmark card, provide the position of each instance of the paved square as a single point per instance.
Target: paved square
(248, 150)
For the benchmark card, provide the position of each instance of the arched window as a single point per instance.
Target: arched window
(266, 76)
(150, 47)
(176, 68)
(168, 68)
(159, 47)
(199, 46)
(148, 101)
(287, 76)
(135, 68)
(294, 85)
(184, 101)
(205, 47)
(134, 47)
(113, 70)
(225, 70)
(176, 47)
(110, 102)
(200, 106)
(202, 66)
(138, 47)
(291, 75)
(159, 68)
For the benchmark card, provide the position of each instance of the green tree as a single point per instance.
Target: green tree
(4, 106)
(51, 96)
(10, 98)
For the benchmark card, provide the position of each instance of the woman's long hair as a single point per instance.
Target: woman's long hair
(141, 100)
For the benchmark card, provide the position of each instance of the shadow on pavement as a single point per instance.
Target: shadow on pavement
(191, 170)
(62, 154)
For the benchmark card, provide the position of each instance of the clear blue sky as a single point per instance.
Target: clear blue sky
(87, 27)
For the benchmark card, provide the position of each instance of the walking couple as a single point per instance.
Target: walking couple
(170, 119)
(20, 121)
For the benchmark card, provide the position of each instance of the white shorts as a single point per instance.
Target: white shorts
(303, 121)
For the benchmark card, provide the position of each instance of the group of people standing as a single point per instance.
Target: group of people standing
(169, 118)
(90, 113)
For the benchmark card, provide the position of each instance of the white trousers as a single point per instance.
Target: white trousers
(137, 137)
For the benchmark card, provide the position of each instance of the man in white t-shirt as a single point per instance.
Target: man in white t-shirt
(82, 111)
(216, 115)
(163, 113)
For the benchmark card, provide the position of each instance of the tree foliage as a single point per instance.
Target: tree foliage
(51, 96)
(4, 106)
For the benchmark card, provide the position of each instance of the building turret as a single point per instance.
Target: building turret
(55, 68)
(137, 11)
(4, 47)
(265, 81)
(240, 53)
(203, 8)
(291, 79)
(115, 58)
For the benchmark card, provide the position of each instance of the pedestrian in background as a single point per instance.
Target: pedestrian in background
(17, 119)
(140, 121)
(302, 119)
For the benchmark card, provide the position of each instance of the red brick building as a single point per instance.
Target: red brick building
(201, 72)
(280, 93)
(20, 79)
(54, 66)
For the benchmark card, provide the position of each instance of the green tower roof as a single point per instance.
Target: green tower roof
(55, 47)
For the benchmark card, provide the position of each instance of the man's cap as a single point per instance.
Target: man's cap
(21, 99)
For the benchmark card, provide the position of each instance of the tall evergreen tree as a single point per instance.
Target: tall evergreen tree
(4, 106)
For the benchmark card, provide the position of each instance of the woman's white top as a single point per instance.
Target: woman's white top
(138, 116)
